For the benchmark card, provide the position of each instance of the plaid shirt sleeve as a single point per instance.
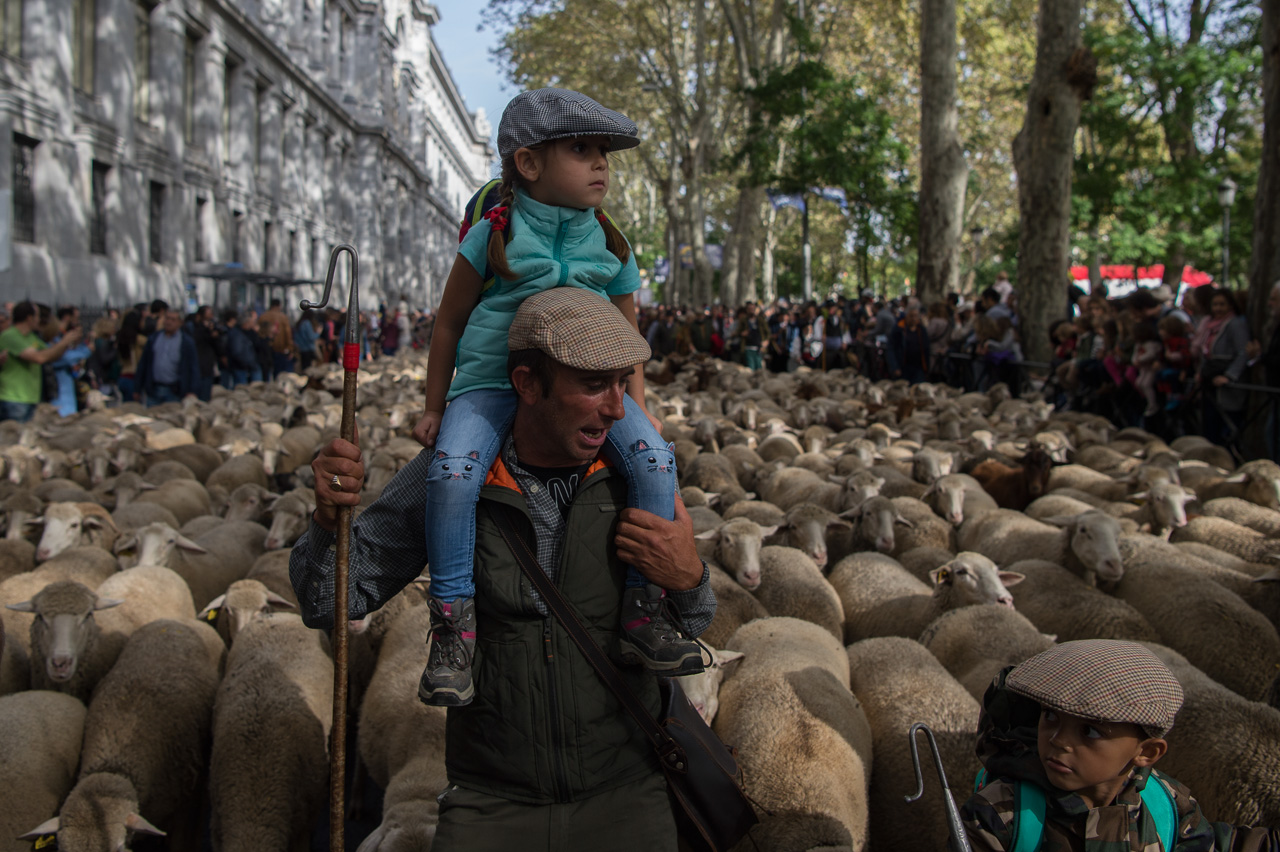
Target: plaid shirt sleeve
(697, 606)
(388, 551)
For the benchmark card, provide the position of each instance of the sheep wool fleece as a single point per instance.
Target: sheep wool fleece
(1007, 747)
(550, 247)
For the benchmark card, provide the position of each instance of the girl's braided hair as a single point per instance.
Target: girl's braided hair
(511, 178)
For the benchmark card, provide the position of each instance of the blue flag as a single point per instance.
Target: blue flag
(786, 199)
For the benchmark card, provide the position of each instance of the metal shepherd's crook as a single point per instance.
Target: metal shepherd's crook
(350, 364)
(958, 841)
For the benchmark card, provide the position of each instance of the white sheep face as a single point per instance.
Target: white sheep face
(703, 689)
(1094, 538)
(1169, 505)
(65, 527)
(738, 545)
(157, 543)
(948, 496)
(973, 579)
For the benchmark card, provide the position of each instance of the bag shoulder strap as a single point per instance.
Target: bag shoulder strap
(1029, 809)
(669, 751)
(479, 205)
(1163, 811)
(484, 200)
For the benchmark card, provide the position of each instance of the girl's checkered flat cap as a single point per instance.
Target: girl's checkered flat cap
(546, 114)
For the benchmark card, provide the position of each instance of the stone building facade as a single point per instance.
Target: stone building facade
(142, 143)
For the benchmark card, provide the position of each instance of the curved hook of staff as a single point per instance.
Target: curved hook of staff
(353, 303)
(958, 841)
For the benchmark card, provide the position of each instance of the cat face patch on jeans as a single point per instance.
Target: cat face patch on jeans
(457, 467)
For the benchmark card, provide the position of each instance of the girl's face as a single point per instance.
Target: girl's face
(1219, 307)
(567, 172)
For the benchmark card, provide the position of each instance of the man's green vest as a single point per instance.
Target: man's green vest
(543, 727)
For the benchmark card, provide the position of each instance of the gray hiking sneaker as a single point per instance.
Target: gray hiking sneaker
(650, 635)
(447, 679)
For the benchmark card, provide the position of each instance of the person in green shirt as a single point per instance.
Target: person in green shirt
(23, 354)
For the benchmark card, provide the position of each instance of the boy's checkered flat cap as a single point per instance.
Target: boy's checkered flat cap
(1104, 680)
(577, 328)
(546, 114)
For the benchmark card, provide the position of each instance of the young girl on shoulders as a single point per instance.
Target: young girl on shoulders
(547, 230)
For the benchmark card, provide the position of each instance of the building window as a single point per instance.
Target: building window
(199, 249)
(345, 46)
(98, 213)
(189, 90)
(316, 262)
(24, 193)
(12, 11)
(84, 25)
(258, 97)
(293, 251)
(228, 80)
(267, 231)
(237, 219)
(156, 222)
(142, 62)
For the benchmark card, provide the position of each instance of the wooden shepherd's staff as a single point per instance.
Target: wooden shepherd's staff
(350, 364)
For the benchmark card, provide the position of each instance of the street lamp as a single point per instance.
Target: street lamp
(1226, 197)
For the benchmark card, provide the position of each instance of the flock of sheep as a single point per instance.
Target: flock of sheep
(878, 551)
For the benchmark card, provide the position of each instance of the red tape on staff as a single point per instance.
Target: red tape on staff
(351, 357)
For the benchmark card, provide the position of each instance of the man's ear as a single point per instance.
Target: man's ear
(528, 163)
(1150, 750)
(525, 383)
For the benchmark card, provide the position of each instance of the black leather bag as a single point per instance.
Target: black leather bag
(712, 813)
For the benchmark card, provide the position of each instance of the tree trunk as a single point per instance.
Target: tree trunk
(1264, 269)
(1175, 262)
(768, 272)
(943, 169)
(738, 274)
(1042, 154)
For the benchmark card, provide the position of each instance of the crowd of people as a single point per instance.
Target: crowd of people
(1146, 359)
(153, 353)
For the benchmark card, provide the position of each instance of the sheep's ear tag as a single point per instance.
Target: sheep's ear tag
(45, 841)
(212, 615)
(944, 575)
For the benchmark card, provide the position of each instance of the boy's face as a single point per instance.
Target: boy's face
(1092, 759)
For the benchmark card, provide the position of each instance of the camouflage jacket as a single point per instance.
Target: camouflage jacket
(1007, 747)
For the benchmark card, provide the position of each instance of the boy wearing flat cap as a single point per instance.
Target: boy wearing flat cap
(1069, 740)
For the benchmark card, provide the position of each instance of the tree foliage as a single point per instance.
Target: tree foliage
(1178, 108)
(716, 87)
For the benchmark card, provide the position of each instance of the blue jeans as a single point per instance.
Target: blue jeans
(163, 394)
(243, 377)
(19, 411)
(474, 427)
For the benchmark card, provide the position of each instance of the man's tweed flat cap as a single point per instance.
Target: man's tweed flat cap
(577, 328)
(1104, 680)
(546, 114)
